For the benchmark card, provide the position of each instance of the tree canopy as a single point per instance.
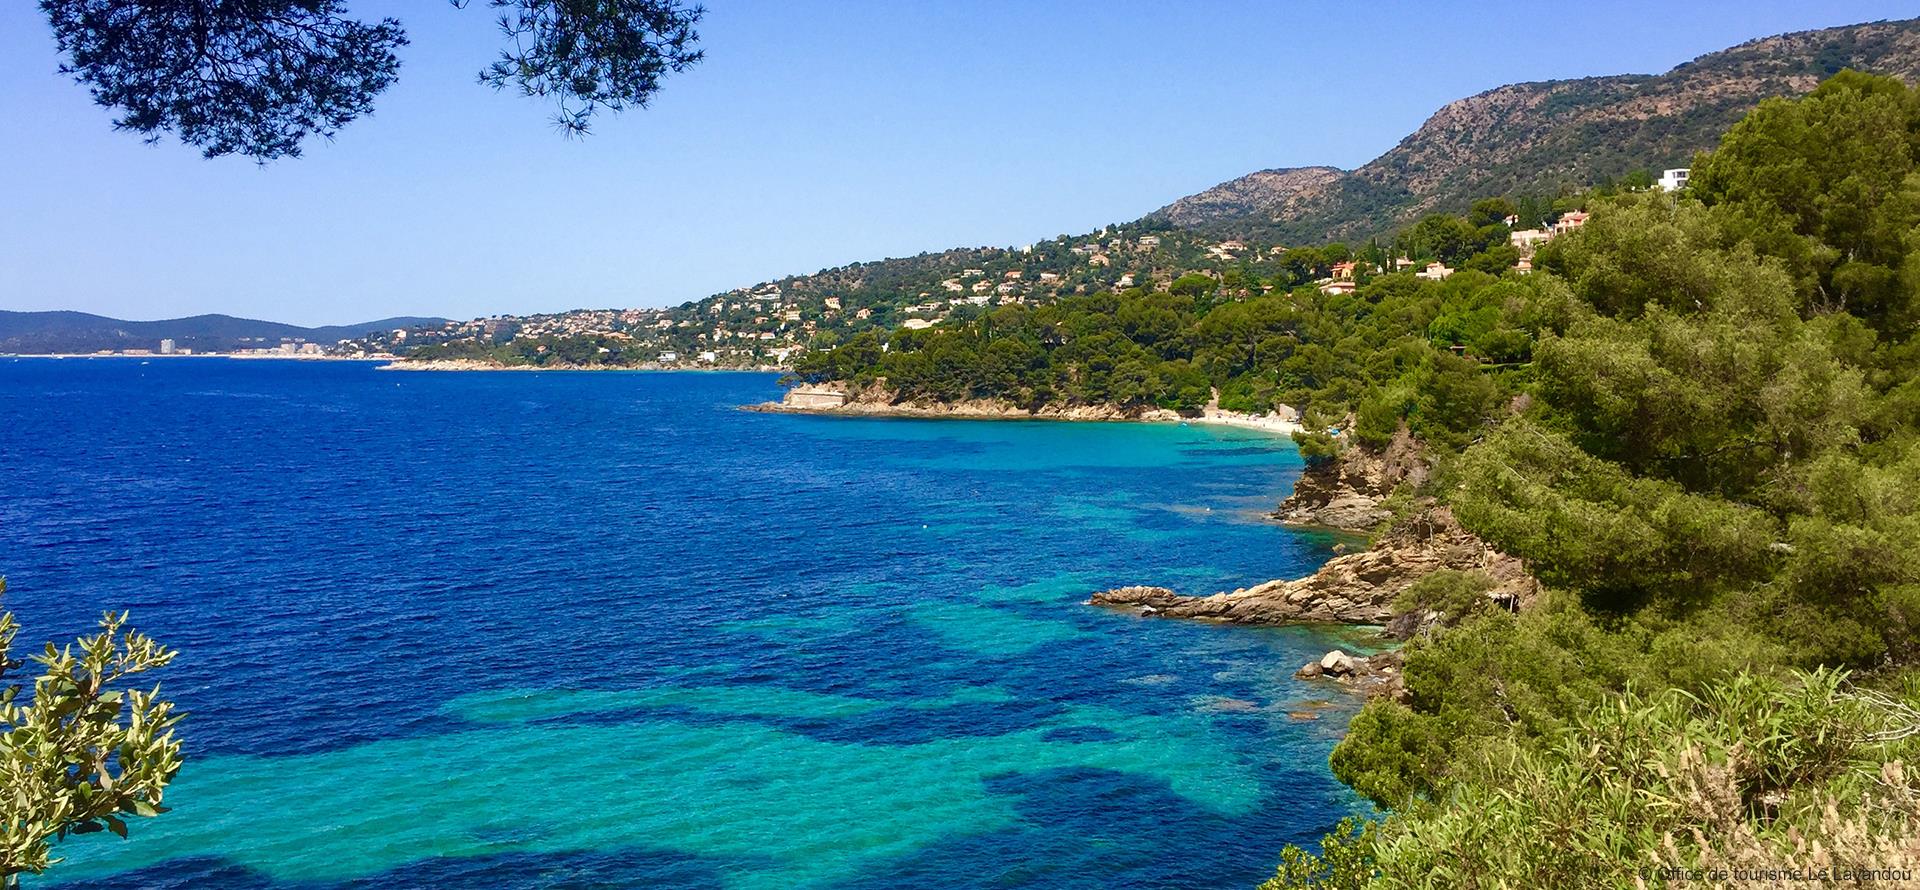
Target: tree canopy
(1713, 466)
(260, 78)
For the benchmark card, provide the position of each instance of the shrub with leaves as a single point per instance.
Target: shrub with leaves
(1798, 772)
(81, 750)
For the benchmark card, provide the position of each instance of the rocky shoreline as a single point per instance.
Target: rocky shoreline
(1369, 675)
(878, 401)
(1349, 493)
(976, 409)
(1355, 589)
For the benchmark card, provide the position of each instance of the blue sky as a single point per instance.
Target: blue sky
(813, 134)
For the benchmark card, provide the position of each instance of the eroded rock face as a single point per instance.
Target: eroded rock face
(1347, 492)
(1357, 588)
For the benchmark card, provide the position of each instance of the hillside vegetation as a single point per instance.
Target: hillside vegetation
(771, 322)
(1547, 142)
(1698, 423)
(1542, 138)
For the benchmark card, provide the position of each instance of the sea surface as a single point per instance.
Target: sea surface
(606, 630)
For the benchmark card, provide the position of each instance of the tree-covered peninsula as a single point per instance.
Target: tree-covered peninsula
(1697, 423)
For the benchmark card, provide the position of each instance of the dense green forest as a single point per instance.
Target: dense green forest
(1698, 423)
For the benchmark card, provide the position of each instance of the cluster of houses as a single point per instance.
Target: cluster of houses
(1526, 241)
(1340, 279)
(1227, 251)
(765, 323)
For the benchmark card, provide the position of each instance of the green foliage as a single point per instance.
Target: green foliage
(1451, 592)
(1447, 238)
(1393, 754)
(1345, 860)
(779, 322)
(85, 751)
(1491, 212)
(1650, 249)
(1399, 351)
(1713, 465)
(1801, 771)
(1547, 139)
(260, 78)
(1588, 525)
(1316, 446)
(1828, 183)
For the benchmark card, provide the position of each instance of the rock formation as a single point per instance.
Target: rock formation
(1347, 492)
(1372, 675)
(1358, 588)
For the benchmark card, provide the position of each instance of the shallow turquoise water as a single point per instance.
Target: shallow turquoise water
(570, 630)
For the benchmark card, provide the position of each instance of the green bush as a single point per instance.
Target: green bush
(1800, 771)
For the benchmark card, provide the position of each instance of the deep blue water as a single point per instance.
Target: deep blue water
(604, 630)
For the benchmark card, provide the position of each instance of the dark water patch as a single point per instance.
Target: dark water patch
(549, 871)
(1081, 734)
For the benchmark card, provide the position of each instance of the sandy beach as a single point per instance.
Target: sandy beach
(1271, 423)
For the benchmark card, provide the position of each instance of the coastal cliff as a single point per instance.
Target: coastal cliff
(1347, 492)
(1358, 588)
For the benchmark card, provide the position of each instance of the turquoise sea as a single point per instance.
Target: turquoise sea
(605, 630)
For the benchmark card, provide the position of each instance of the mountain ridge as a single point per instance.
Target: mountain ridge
(1543, 137)
(67, 331)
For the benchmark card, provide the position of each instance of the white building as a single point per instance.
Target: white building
(166, 347)
(1525, 240)
(1673, 180)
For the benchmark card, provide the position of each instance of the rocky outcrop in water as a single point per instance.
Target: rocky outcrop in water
(1347, 492)
(1374, 676)
(1357, 588)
